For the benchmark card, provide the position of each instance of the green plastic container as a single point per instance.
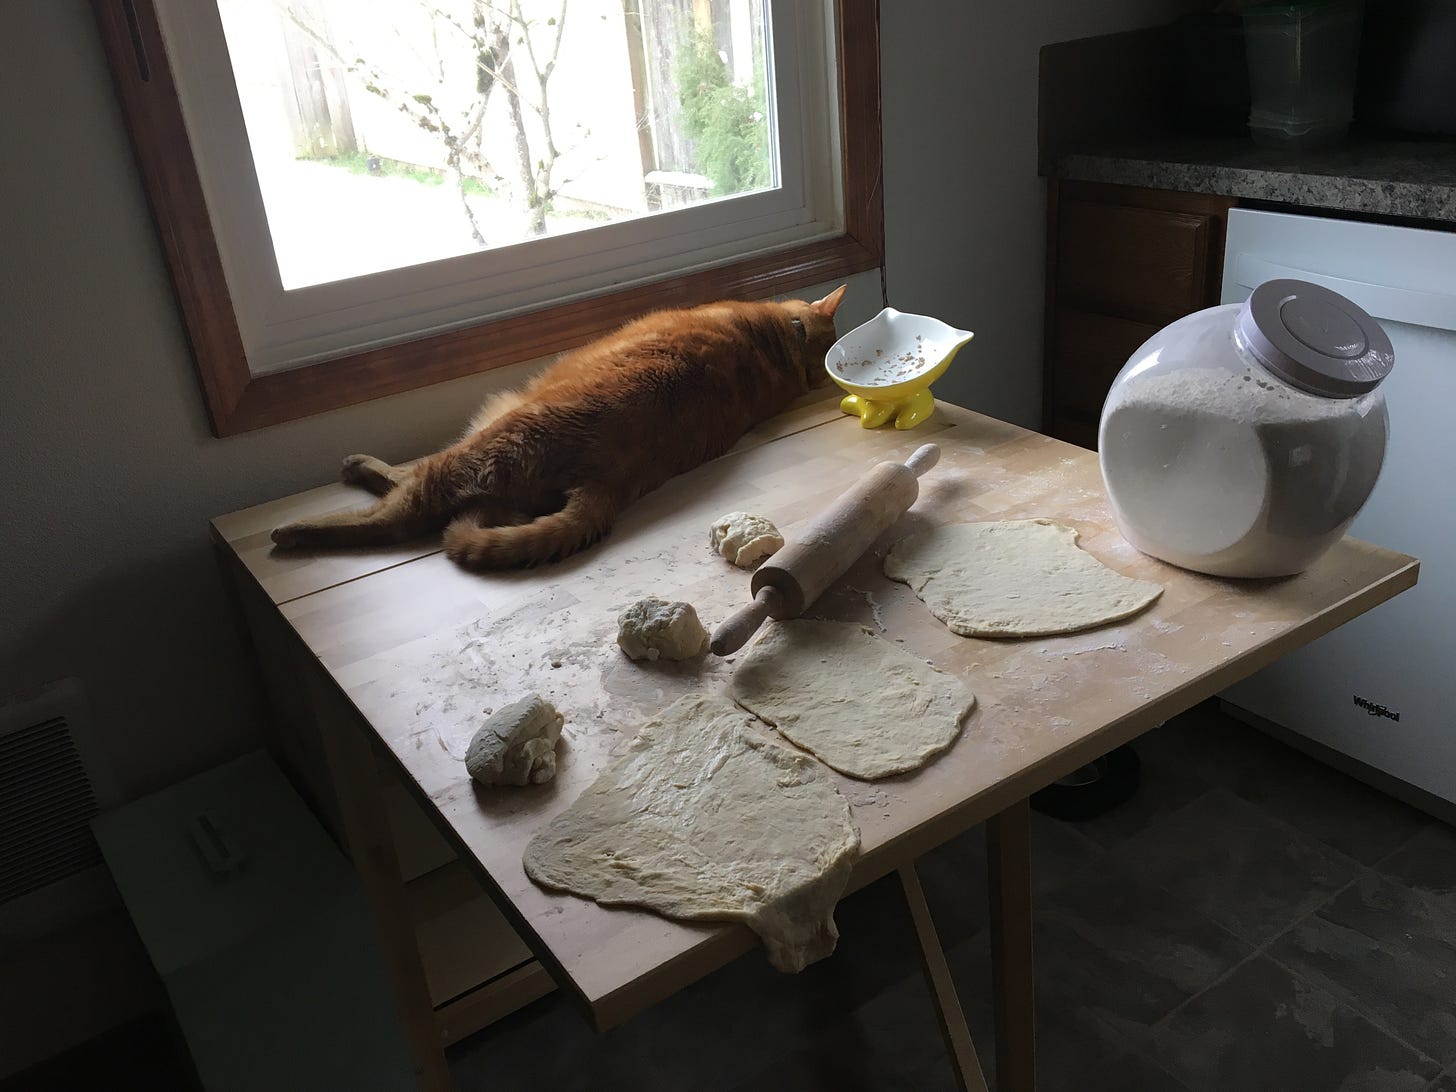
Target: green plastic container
(1302, 63)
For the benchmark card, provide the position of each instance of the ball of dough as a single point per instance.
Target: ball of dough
(654, 629)
(516, 745)
(744, 539)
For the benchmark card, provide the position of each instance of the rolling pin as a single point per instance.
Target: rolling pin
(789, 581)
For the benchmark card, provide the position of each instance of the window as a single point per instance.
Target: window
(360, 197)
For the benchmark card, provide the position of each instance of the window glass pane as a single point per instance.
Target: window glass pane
(388, 133)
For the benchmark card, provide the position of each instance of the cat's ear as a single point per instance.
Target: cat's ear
(830, 303)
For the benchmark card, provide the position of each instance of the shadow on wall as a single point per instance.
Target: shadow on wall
(156, 644)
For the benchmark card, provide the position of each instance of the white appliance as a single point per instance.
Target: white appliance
(1381, 689)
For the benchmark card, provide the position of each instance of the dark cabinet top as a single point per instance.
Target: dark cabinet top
(1405, 179)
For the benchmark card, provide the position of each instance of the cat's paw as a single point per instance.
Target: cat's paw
(287, 537)
(369, 473)
(355, 468)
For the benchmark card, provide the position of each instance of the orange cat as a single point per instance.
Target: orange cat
(543, 472)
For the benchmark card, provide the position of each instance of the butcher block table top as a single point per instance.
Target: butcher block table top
(423, 650)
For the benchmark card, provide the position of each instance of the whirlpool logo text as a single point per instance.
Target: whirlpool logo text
(1375, 709)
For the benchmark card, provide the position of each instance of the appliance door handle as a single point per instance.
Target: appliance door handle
(1434, 309)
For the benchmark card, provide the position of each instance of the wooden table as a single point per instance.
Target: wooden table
(399, 653)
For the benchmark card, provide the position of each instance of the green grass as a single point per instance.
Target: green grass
(358, 163)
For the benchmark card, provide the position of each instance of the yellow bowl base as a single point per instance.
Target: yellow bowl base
(907, 413)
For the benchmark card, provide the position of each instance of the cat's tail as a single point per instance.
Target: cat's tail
(585, 518)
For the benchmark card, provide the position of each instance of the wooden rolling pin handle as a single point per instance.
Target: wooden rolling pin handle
(785, 584)
(925, 457)
(733, 633)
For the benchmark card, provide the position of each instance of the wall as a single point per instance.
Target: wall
(965, 210)
(111, 473)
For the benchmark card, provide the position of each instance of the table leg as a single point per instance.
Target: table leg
(1008, 847)
(937, 973)
(354, 770)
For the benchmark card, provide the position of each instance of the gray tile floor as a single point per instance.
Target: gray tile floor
(1251, 922)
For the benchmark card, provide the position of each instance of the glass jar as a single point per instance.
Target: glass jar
(1242, 440)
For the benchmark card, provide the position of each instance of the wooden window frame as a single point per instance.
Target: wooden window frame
(238, 401)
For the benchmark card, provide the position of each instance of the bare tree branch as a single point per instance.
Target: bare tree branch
(494, 27)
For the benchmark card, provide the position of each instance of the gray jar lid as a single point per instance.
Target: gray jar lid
(1315, 339)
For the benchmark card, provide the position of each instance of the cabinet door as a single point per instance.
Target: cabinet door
(1087, 352)
(1122, 263)
(1148, 265)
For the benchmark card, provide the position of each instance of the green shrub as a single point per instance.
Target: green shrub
(727, 124)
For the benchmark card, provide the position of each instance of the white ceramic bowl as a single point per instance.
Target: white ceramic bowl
(893, 354)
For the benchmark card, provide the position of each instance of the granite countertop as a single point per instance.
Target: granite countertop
(1386, 178)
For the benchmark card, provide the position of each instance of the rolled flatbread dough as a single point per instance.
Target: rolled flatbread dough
(860, 704)
(706, 818)
(1014, 578)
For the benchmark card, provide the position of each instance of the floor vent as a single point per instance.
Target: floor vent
(53, 782)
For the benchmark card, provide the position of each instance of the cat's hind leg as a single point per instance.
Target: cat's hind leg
(423, 498)
(585, 518)
(386, 521)
(372, 474)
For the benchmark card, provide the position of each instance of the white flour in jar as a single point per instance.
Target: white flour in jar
(1233, 471)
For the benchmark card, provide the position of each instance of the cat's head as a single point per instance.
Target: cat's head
(814, 325)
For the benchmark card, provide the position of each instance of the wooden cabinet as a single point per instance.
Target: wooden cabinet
(1122, 263)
